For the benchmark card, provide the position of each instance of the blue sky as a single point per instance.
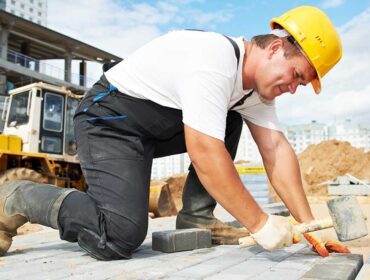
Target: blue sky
(121, 26)
(251, 17)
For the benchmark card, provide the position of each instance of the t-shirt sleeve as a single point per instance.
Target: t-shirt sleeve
(262, 115)
(204, 97)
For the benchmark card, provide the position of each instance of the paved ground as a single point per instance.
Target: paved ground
(42, 255)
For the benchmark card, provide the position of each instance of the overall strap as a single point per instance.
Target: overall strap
(241, 100)
(233, 43)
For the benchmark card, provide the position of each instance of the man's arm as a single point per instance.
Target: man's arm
(218, 175)
(282, 168)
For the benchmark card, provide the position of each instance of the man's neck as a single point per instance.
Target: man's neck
(248, 68)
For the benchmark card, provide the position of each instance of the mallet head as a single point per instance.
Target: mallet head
(348, 219)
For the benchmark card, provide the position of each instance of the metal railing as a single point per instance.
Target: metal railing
(46, 68)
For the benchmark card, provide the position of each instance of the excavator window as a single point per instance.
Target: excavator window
(70, 142)
(53, 112)
(18, 109)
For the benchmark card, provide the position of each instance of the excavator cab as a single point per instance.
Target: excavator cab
(42, 116)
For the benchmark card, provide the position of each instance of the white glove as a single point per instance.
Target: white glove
(276, 233)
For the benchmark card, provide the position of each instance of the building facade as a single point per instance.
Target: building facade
(32, 10)
(167, 166)
(300, 136)
(247, 148)
(356, 133)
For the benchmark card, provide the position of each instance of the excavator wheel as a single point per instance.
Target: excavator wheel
(21, 173)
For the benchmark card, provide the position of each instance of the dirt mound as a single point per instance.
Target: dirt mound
(327, 160)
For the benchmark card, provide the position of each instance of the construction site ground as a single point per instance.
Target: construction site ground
(42, 255)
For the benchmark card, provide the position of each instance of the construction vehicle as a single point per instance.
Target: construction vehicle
(38, 142)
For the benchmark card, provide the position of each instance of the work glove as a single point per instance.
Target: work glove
(276, 233)
(322, 241)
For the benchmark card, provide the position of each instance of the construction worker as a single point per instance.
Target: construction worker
(188, 91)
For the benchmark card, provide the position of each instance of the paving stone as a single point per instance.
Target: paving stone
(336, 266)
(280, 274)
(349, 190)
(43, 256)
(247, 269)
(217, 264)
(170, 241)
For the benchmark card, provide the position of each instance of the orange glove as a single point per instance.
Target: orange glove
(324, 248)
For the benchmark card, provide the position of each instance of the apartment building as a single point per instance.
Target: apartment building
(32, 10)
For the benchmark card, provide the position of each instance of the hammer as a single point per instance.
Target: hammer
(346, 218)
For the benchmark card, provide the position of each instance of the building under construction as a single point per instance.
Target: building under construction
(26, 47)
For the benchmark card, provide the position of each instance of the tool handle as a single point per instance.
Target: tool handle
(302, 228)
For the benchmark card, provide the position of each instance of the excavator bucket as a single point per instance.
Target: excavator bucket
(161, 203)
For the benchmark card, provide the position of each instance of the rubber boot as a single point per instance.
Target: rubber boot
(22, 201)
(197, 212)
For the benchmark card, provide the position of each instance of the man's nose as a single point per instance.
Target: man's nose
(293, 87)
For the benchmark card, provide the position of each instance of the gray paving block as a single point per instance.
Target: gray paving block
(280, 274)
(170, 241)
(336, 266)
(349, 190)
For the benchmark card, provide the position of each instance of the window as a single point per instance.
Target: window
(51, 144)
(39, 21)
(22, 15)
(31, 1)
(53, 112)
(40, 4)
(31, 10)
(18, 114)
(13, 2)
(70, 142)
(22, 6)
(39, 13)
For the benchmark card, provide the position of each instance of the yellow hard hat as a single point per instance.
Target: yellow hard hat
(316, 35)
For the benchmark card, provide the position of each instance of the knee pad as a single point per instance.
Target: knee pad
(105, 251)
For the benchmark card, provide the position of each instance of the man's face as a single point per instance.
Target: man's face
(277, 74)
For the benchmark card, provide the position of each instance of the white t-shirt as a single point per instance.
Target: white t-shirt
(196, 72)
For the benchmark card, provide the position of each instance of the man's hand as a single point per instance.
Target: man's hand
(323, 246)
(276, 233)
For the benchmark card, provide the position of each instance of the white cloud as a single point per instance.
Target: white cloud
(346, 89)
(122, 28)
(332, 3)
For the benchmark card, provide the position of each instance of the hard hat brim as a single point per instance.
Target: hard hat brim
(316, 84)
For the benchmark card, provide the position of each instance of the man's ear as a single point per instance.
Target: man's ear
(274, 46)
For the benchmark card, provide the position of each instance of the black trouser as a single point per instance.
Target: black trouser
(117, 138)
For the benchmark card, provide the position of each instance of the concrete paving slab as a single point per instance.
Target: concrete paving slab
(170, 241)
(349, 190)
(42, 255)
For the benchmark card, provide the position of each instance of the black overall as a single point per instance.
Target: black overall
(117, 138)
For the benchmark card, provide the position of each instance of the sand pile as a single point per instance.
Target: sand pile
(325, 161)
